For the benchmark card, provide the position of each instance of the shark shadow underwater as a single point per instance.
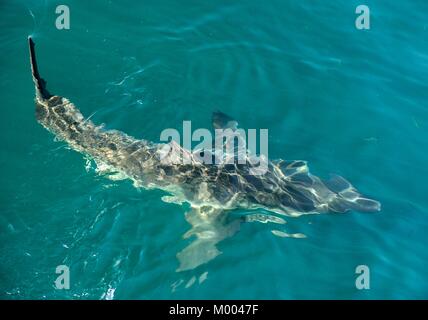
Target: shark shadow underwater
(212, 190)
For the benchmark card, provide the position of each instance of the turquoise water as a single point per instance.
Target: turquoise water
(351, 102)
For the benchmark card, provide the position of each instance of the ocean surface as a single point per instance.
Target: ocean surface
(350, 102)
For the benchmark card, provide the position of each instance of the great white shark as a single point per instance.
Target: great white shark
(212, 190)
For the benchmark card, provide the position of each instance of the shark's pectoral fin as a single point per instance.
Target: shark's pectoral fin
(209, 227)
(197, 253)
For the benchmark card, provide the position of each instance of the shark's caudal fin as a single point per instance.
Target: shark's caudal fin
(39, 83)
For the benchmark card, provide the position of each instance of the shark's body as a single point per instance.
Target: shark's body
(286, 188)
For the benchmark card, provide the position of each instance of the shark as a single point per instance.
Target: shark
(211, 190)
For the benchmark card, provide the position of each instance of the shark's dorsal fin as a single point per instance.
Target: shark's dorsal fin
(231, 137)
(221, 120)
